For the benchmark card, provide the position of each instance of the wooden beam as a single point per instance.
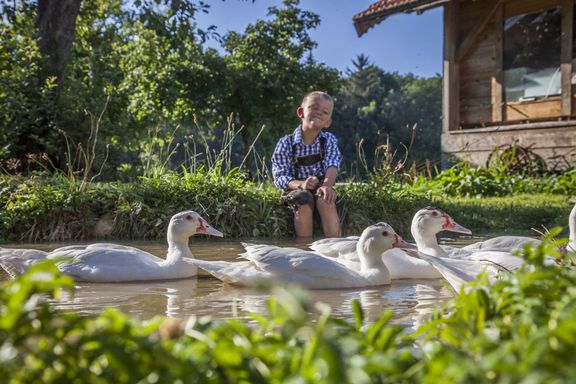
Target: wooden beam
(566, 56)
(450, 94)
(477, 30)
(497, 79)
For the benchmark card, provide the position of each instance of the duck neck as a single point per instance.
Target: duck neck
(427, 242)
(370, 258)
(177, 247)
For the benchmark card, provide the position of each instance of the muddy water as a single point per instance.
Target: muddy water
(409, 300)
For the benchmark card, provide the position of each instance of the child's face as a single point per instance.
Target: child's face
(315, 112)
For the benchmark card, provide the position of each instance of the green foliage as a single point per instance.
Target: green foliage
(387, 118)
(147, 64)
(267, 73)
(25, 98)
(39, 343)
(520, 329)
(54, 208)
(515, 213)
(464, 179)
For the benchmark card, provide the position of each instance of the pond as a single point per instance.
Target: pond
(409, 300)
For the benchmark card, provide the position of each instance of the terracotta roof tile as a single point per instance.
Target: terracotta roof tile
(380, 10)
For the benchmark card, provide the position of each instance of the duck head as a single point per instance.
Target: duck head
(431, 220)
(188, 223)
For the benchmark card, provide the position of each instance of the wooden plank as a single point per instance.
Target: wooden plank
(519, 7)
(497, 79)
(477, 30)
(566, 56)
(480, 59)
(483, 75)
(474, 91)
(533, 110)
(470, 13)
(450, 94)
(477, 114)
(483, 101)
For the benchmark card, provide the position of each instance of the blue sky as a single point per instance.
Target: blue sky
(402, 43)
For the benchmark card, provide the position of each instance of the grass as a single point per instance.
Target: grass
(44, 208)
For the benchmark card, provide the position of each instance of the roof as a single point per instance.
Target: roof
(381, 9)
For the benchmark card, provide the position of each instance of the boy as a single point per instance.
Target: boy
(305, 165)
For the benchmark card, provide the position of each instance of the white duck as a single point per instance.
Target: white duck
(458, 272)
(426, 223)
(104, 262)
(461, 271)
(309, 269)
(510, 243)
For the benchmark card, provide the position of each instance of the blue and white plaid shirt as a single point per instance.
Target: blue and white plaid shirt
(283, 169)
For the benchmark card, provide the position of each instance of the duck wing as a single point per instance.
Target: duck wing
(403, 266)
(108, 265)
(338, 247)
(306, 268)
(17, 261)
(458, 272)
(243, 273)
(504, 243)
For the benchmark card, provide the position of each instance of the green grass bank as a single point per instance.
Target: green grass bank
(52, 208)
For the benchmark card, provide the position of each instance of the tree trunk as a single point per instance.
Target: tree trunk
(56, 25)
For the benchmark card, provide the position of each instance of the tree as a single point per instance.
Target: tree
(146, 63)
(380, 110)
(56, 26)
(49, 82)
(268, 70)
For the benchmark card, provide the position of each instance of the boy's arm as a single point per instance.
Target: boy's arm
(331, 165)
(330, 177)
(282, 167)
(332, 161)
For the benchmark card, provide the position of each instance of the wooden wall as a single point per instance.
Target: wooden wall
(548, 140)
(478, 66)
(480, 120)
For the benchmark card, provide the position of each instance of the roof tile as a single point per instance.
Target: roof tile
(380, 10)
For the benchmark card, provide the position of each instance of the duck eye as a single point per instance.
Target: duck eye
(189, 218)
(385, 233)
(435, 213)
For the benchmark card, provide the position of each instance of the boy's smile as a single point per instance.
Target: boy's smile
(316, 113)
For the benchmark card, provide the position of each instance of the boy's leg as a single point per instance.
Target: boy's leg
(302, 203)
(303, 224)
(330, 218)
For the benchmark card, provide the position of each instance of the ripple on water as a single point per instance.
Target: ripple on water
(410, 300)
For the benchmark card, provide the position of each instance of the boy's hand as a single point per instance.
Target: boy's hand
(310, 183)
(327, 193)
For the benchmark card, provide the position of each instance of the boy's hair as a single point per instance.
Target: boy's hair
(324, 95)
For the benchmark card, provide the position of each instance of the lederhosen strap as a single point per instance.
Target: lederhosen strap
(306, 161)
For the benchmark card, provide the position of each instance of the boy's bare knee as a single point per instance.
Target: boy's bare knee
(304, 210)
(324, 205)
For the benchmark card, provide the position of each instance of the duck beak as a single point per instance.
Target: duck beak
(401, 243)
(207, 229)
(453, 226)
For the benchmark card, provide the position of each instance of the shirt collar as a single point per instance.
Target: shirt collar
(298, 139)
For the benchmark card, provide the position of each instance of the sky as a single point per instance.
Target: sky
(402, 43)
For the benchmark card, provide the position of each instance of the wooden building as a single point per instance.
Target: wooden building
(509, 75)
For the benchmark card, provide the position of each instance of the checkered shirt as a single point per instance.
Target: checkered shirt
(283, 169)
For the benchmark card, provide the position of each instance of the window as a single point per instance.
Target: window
(531, 57)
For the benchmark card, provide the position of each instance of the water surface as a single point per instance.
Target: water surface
(410, 300)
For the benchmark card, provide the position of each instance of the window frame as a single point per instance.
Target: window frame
(559, 106)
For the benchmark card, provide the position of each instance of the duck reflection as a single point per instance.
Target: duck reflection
(142, 300)
(411, 301)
